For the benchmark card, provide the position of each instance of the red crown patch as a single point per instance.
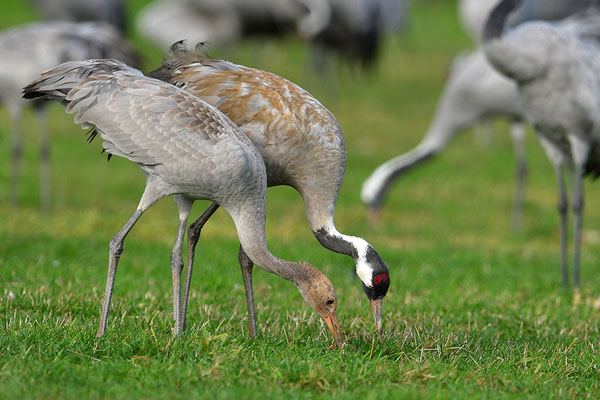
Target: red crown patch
(380, 278)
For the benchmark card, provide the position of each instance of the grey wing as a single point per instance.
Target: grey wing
(147, 121)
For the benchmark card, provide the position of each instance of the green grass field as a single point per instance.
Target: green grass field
(474, 310)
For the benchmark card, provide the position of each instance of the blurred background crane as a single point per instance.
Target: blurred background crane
(110, 11)
(474, 93)
(349, 29)
(556, 67)
(28, 50)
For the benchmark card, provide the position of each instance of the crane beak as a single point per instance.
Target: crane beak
(374, 214)
(334, 327)
(377, 307)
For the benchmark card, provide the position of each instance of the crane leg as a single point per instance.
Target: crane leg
(562, 210)
(193, 236)
(17, 152)
(246, 265)
(185, 205)
(518, 137)
(578, 205)
(44, 160)
(580, 150)
(116, 249)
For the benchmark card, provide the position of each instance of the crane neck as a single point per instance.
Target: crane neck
(494, 26)
(250, 227)
(367, 262)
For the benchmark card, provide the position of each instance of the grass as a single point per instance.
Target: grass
(474, 311)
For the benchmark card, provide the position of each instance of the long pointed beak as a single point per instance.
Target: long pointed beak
(377, 307)
(334, 327)
(374, 214)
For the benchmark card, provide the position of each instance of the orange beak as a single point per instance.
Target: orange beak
(334, 327)
(377, 307)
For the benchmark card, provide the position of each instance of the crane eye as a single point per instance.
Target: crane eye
(330, 302)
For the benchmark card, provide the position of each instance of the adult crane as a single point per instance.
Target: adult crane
(474, 93)
(557, 71)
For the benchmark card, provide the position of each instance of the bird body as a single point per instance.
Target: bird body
(556, 68)
(301, 143)
(186, 148)
(558, 88)
(282, 119)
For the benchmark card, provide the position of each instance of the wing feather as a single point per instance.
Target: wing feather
(145, 120)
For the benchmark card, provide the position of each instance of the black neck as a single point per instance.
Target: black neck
(494, 26)
(335, 243)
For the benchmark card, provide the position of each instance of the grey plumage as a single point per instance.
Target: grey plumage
(187, 149)
(474, 92)
(557, 70)
(26, 51)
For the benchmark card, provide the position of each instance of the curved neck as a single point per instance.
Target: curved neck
(250, 225)
(331, 239)
(335, 241)
(320, 211)
(376, 186)
(367, 261)
(494, 26)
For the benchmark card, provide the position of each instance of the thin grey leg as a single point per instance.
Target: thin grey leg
(185, 205)
(193, 237)
(562, 210)
(116, 249)
(580, 149)
(17, 153)
(518, 136)
(45, 202)
(578, 205)
(246, 265)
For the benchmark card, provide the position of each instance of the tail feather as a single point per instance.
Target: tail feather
(56, 83)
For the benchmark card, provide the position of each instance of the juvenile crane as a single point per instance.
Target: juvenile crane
(302, 146)
(186, 148)
(28, 50)
(557, 70)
